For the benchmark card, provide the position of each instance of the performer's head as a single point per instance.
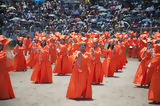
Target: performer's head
(53, 41)
(111, 45)
(82, 46)
(75, 40)
(157, 41)
(95, 44)
(149, 45)
(27, 36)
(43, 43)
(1, 46)
(20, 43)
(62, 40)
(36, 40)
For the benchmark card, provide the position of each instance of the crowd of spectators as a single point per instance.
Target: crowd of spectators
(69, 16)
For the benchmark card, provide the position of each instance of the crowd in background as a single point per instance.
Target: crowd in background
(69, 16)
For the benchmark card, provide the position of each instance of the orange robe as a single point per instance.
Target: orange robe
(42, 72)
(142, 44)
(27, 43)
(52, 52)
(80, 83)
(132, 48)
(72, 48)
(124, 57)
(62, 64)
(150, 71)
(154, 89)
(31, 60)
(96, 67)
(140, 77)
(108, 64)
(19, 60)
(6, 90)
(118, 57)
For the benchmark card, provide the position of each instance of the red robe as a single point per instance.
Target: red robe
(80, 83)
(6, 90)
(42, 72)
(96, 67)
(108, 64)
(131, 48)
(27, 43)
(62, 64)
(140, 77)
(154, 89)
(19, 60)
(31, 57)
(52, 52)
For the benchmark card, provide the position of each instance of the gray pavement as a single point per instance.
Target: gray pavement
(115, 91)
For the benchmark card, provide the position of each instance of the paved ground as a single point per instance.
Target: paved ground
(115, 91)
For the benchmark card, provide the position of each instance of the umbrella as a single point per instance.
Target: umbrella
(12, 13)
(118, 6)
(24, 20)
(31, 21)
(75, 12)
(93, 20)
(36, 22)
(108, 19)
(135, 11)
(149, 9)
(147, 20)
(102, 20)
(100, 7)
(25, 6)
(15, 19)
(52, 15)
(103, 13)
(109, 15)
(123, 23)
(95, 6)
(136, 18)
(80, 22)
(3, 6)
(127, 18)
(124, 9)
(12, 8)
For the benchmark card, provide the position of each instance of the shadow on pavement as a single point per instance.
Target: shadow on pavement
(82, 99)
(98, 84)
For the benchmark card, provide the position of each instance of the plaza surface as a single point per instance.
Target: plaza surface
(115, 91)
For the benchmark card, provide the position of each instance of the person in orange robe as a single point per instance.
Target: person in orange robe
(154, 89)
(80, 83)
(31, 60)
(52, 50)
(19, 60)
(96, 65)
(117, 56)
(27, 42)
(62, 65)
(140, 77)
(74, 46)
(42, 72)
(131, 47)
(108, 64)
(151, 67)
(124, 56)
(6, 90)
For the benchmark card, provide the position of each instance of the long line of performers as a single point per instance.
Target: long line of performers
(80, 56)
